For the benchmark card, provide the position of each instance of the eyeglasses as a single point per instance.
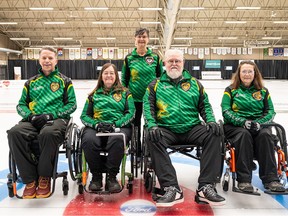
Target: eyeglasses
(177, 61)
(247, 72)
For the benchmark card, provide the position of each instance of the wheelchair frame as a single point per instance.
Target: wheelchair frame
(83, 171)
(68, 145)
(282, 157)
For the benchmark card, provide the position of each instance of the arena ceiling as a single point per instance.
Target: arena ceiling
(182, 23)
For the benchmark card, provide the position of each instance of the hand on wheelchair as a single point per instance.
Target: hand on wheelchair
(214, 127)
(105, 127)
(38, 121)
(155, 134)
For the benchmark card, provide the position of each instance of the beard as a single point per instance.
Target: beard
(174, 73)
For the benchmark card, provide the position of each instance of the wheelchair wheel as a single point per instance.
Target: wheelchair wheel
(80, 189)
(65, 187)
(10, 189)
(130, 187)
(225, 185)
(148, 182)
(71, 151)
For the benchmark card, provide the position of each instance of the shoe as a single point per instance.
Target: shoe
(30, 190)
(96, 182)
(112, 184)
(44, 187)
(208, 195)
(171, 197)
(274, 186)
(245, 187)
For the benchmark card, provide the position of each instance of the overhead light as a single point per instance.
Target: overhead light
(227, 38)
(40, 9)
(192, 8)
(183, 38)
(96, 8)
(280, 22)
(180, 45)
(102, 22)
(156, 38)
(235, 22)
(248, 8)
(187, 22)
(271, 38)
(150, 9)
(149, 22)
(106, 38)
(63, 38)
(54, 23)
(8, 23)
(19, 39)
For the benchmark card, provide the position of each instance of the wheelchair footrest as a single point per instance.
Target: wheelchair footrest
(276, 192)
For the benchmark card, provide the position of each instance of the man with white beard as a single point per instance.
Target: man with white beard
(172, 105)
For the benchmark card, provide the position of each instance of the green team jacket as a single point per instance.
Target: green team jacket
(139, 71)
(47, 94)
(116, 107)
(239, 105)
(176, 106)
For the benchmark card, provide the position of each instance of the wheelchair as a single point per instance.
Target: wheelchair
(83, 168)
(280, 146)
(67, 147)
(149, 176)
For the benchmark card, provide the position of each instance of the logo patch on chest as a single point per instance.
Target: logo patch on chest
(54, 86)
(117, 97)
(257, 95)
(185, 86)
(149, 60)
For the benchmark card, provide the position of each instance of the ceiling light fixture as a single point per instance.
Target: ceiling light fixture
(19, 39)
(235, 22)
(280, 22)
(54, 23)
(41, 9)
(271, 38)
(106, 38)
(63, 38)
(248, 8)
(150, 9)
(227, 38)
(102, 22)
(187, 22)
(149, 22)
(8, 23)
(96, 8)
(192, 8)
(183, 38)
(155, 38)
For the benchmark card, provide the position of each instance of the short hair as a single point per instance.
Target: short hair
(50, 48)
(141, 31)
(172, 52)
(258, 80)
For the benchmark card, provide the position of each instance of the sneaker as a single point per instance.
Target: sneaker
(171, 197)
(208, 195)
(274, 186)
(30, 190)
(44, 187)
(245, 187)
(96, 183)
(112, 185)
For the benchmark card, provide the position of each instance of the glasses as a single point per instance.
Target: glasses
(174, 61)
(247, 72)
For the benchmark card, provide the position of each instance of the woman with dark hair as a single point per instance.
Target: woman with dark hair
(140, 67)
(108, 106)
(246, 104)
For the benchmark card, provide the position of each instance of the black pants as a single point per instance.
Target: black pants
(137, 123)
(210, 163)
(20, 138)
(247, 146)
(114, 145)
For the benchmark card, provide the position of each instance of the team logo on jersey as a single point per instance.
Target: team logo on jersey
(117, 97)
(257, 95)
(185, 86)
(149, 60)
(54, 86)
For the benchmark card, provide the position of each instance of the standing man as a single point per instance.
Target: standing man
(46, 103)
(140, 67)
(172, 105)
